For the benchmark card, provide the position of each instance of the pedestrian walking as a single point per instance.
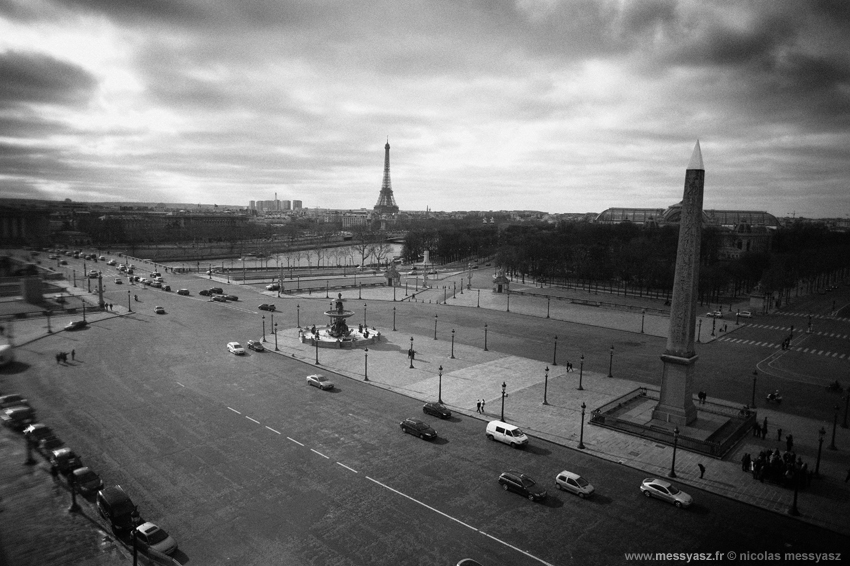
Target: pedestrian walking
(779, 435)
(482, 406)
(701, 470)
(478, 406)
(756, 430)
(73, 355)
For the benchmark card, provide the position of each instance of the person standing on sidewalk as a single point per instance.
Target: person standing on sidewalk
(482, 406)
(478, 406)
(701, 470)
(73, 355)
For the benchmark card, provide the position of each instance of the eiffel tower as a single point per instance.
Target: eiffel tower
(386, 201)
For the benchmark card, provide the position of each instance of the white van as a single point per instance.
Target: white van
(507, 433)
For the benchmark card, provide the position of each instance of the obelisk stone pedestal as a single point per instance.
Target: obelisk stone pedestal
(676, 405)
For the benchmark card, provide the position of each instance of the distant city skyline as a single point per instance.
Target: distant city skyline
(559, 106)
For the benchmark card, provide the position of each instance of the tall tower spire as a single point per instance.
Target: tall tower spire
(386, 200)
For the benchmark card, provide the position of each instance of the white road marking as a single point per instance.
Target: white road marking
(234, 410)
(180, 384)
(295, 441)
(459, 521)
(346, 467)
(273, 430)
(319, 453)
(250, 419)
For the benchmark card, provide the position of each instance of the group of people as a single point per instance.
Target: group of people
(785, 468)
(479, 406)
(62, 357)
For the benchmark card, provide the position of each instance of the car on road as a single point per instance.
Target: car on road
(110, 262)
(119, 281)
(183, 291)
(507, 433)
(437, 410)
(13, 400)
(273, 287)
(418, 428)
(18, 417)
(231, 297)
(236, 348)
(256, 345)
(574, 483)
(115, 506)
(65, 460)
(216, 291)
(219, 298)
(745, 314)
(93, 274)
(204, 292)
(159, 310)
(36, 431)
(144, 281)
(714, 314)
(522, 484)
(320, 381)
(662, 489)
(267, 307)
(151, 536)
(76, 325)
(86, 480)
(63, 262)
(156, 284)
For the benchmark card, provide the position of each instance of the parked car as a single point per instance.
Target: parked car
(36, 431)
(13, 400)
(151, 536)
(273, 287)
(86, 480)
(522, 484)
(49, 444)
(745, 314)
(236, 348)
(320, 381)
(183, 292)
(714, 314)
(256, 345)
(166, 287)
(219, 298)
(76, 325)
(156, 284)
(216, 291)
(119, 281)
(159, 310)
(116, 507)
(418, 428)
(110, 262)
(574, 483)
(666, 491)
(203, 292)
(65, 460)
(267, 307)
(507, 433)
(436, 410)
(18, 417)
(231, 297)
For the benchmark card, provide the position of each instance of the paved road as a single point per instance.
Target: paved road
(241, 461)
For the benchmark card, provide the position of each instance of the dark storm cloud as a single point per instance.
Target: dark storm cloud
(36, 78)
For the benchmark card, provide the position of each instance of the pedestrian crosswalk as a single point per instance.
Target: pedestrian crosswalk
(814, 316)
(785, 327)
(816, 351)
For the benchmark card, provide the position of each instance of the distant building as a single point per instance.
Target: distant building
(296, 205)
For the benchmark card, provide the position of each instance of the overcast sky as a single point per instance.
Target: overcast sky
(561, 106)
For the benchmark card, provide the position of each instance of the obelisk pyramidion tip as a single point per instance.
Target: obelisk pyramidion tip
(696, 158)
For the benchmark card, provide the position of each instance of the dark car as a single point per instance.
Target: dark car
(86, 480)
(36, 431)
(231, 297)
(436, 410)
(266, 307)
(204, 292)
(256, 345)
(219, 298)
(13, 400)
(116, 507)
(216, 291)
(65, 460)
(418, 428)
(18, 418)
(522, 484)
(49, 444)
(76, 325)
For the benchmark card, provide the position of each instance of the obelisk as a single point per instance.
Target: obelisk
(676, 405)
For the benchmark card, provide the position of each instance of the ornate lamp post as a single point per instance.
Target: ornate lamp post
(642, 318)
(364, 315)
(316, 342)
(672, 473)
(410, 352)
(555, 353)
(298, 314)
(546, 385)
(275, 337)
(393, 319)
(74, 508)
(129, 304)
(478, 304)
(821, 434)
(580, 372)
(435, 327)
(485, 337)
(611, 362)
(440, 386)
(699, 329)
(755, 376)
(504, 385)
(453, 343)
(264, 328)
(713, 324)
(509, 299)
(581, 436)
(832, 446)
(366, 364)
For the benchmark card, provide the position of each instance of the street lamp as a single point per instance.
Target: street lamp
(834, 424)
(275, 337)
(435, 327)
(366, 364)
(581, 437)
(546, 385)
(72, 483)
(129, 304)
(264, 328)
(548, 301)
(611, 362)
(134, 523)
(316, 343)
(672, 473)
(485, 337)
(642, 318)
(699, 329)
(393, 319)
(713, 324)
(555, 353)
(440, 389)
(453, 343)
(478, 304)
(821, 434)
(298, 314)
(364, 315)
(580, 372)
(504, 385)
(755, 376)
(410, 352)
(509, 299)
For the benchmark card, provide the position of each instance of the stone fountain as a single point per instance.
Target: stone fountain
(337, 334)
